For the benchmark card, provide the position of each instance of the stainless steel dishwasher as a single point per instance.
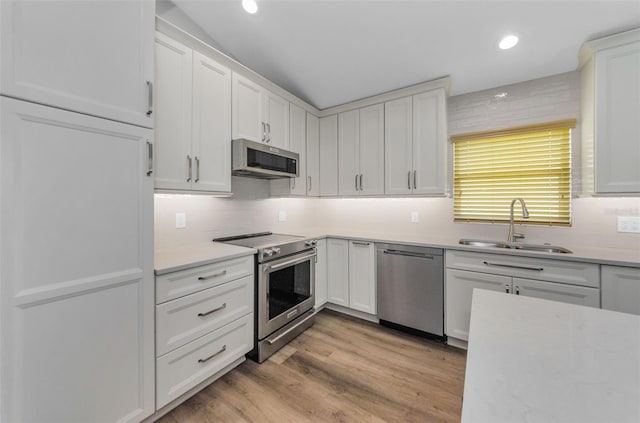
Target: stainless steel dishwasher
(410, 287)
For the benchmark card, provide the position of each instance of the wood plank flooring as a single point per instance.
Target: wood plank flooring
(340, 370)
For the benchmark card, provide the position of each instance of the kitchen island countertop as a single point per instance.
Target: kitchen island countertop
(535, 360)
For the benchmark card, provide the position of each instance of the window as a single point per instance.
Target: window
(491, 168)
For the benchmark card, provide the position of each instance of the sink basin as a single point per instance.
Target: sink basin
(526, 247)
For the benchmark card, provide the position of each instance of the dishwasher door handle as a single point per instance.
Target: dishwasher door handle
(408, 253)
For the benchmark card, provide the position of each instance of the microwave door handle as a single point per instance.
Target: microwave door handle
(289, 262)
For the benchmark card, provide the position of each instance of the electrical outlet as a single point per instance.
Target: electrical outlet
(415, 217)
(629, 224)
(181, 220)
(282, 216)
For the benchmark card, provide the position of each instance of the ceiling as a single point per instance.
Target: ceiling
(333, 52)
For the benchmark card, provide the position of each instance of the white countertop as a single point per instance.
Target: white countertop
(185, 257)
(533, 360)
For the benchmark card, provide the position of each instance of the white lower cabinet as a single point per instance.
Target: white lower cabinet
(351, 274)
(621, 288)
(556, 280)
(204, 330)
(321, 274)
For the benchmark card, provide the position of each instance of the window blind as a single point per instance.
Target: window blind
(491, 168)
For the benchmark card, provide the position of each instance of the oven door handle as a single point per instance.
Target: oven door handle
(289, 262)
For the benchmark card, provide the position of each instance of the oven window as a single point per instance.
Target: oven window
(289, 287)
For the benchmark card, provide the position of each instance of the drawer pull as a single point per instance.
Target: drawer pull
(513, 266)
(204, 360)
(223, 306)
(215, 275)
(361, 243)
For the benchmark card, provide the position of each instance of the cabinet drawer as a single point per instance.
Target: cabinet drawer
(177, 284)
(182, 320)
(569, 272)
(187, 366)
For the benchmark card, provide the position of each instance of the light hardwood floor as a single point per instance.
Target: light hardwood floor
(340, 370)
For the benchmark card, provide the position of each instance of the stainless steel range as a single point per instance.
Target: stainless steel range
(285, 286)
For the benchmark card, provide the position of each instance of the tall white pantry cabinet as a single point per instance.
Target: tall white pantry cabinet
(76, 211)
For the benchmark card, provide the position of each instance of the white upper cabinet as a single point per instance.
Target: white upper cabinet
(611, 106)
(361, 151)
(298, 144)
(348, 152)
(371, 146)
(77, 293)
(258, 114)
(313, 156)
(398, 146)
(193, 132)
(329, 156)
(247, 117)
(91, 57)
(416, 144)
(429, 142)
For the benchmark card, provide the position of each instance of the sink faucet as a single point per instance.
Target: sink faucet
(513, 236)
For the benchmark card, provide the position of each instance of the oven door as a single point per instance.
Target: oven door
(285, 290)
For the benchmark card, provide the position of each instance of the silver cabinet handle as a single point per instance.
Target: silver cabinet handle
(506, 288)
(150, 98)
(415, 172)
(268, 132)
(513, 266)
(309, 179)
(360, 243)
(293, 183)
(189, 161)
(356, 182)
(206, 313)
(149, 158)
(409, 179)
(264, 132)
(361, 189)
(215, 275)
(197, 169)
(517, 289)
(204, 360)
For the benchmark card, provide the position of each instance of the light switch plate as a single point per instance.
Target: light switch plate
(415, 217)
(181, 220)
(282, 216)
(629, 224)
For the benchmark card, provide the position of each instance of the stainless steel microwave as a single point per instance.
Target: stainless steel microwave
(257, 160)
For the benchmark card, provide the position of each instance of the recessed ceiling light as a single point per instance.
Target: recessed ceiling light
(508, 42)
(250, 6)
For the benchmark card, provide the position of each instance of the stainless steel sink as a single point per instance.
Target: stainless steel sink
(527, 247)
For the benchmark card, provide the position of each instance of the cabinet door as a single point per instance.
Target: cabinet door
(174, 64)
(362, 276)
(329, 156)
(338, 271)
(247, 119)
(90, 57)
(621, 289)
(276, 115)
(617, 127)
(371, 148)
(348, 152)
(298, 144)
(398, 150)
(313, 156)
(459, 292)
(211, 123)
(429, 142)
(557, 292)
(76, 299)
(321, 273)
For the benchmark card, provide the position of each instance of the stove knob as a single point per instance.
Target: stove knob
(268, 252)
(311, 243)
(275, 250)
